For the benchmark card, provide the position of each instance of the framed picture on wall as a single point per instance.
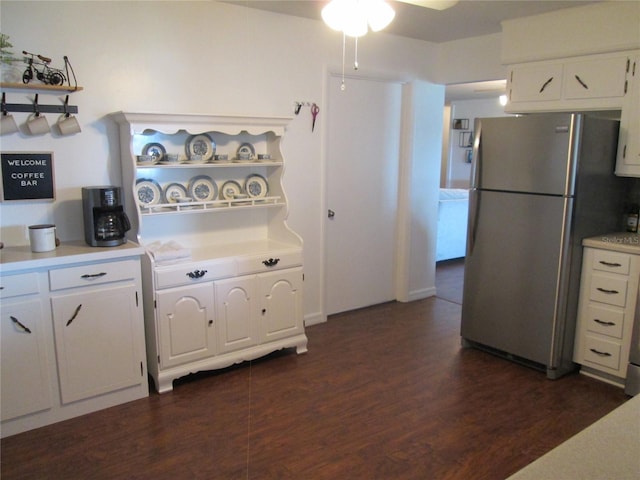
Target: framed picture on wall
(460, 124)
(465, 139)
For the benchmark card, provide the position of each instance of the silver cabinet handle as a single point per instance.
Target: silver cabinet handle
(331, 213)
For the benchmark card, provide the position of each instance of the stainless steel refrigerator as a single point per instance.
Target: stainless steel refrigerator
(539, 185)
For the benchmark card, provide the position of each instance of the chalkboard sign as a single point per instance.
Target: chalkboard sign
(27, 176)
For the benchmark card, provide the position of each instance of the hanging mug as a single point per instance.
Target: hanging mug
(68, 125)
(37, 124)
(8, 124)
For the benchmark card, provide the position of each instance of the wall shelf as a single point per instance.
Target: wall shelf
(40, 86)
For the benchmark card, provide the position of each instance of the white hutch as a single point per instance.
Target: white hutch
(222, 273)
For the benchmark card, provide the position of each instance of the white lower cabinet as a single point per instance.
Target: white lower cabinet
(608, 295)
(72, 334)
(236, 313)
(281, 310)
(96, 341)
(25, 380)
(186, 324)
(212, 325)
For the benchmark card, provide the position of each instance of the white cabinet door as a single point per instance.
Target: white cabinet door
(186, 324)
(25, 382)
(599, 78)
(538, 82)
(236, 313)
(628, 162)
(97, 341)
(281, 313)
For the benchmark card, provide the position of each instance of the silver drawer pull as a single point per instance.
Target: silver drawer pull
(93, 275)
(20, 324)
(602, 322)
(610, 292)
(598, 352)
(272, 262)
(610, 264)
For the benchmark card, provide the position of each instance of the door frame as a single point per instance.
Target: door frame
(403, 217)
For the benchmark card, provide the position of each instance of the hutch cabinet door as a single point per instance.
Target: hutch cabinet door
(26, 387)
(186, 324)
(236, 313)
(281, 304)
(96, 341)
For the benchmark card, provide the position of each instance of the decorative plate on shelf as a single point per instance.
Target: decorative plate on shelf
(156, 150)
(148, 192)
(175, 193)
(202, 146)
(230, 190)
(203, 189)
(256, 186)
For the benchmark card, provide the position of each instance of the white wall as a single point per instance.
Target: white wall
(191, 57)
(458, 170)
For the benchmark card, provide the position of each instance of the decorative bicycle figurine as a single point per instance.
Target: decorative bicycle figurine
(46, 74)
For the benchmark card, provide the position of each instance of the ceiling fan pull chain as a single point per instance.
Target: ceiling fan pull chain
(344, 48)
(355, 63)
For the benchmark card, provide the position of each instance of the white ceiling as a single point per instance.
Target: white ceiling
(468, 18)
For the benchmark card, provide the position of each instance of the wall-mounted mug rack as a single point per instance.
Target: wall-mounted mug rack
(35, 107)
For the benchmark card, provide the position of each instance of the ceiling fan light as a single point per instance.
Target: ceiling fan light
(334, 14)
(380, 14)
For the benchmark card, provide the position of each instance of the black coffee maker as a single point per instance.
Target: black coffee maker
(105, 223)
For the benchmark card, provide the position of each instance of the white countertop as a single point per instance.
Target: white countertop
(608, 449)
(624, 242)
(21, 258)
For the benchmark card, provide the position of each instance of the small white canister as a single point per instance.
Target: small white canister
(42, 237)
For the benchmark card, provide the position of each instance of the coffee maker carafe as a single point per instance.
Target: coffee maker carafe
(105, 222)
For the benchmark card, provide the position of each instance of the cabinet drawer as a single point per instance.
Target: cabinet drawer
(267, 262)
(602, 352)
(93, 274)
(194, 272)
(609, 289)
(613, 262)
(23, 284)
(604, 320)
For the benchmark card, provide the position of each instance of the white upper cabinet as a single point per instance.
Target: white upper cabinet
(628, 162)
(593, 82)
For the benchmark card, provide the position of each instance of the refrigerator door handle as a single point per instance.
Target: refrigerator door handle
(474, 194)
(476, 165)
(474, 211)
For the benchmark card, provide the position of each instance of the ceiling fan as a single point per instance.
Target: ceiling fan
(434, 4)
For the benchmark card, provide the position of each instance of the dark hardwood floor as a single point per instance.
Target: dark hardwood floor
(384, 392)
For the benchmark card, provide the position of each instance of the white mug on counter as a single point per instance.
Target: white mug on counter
(42, 237)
